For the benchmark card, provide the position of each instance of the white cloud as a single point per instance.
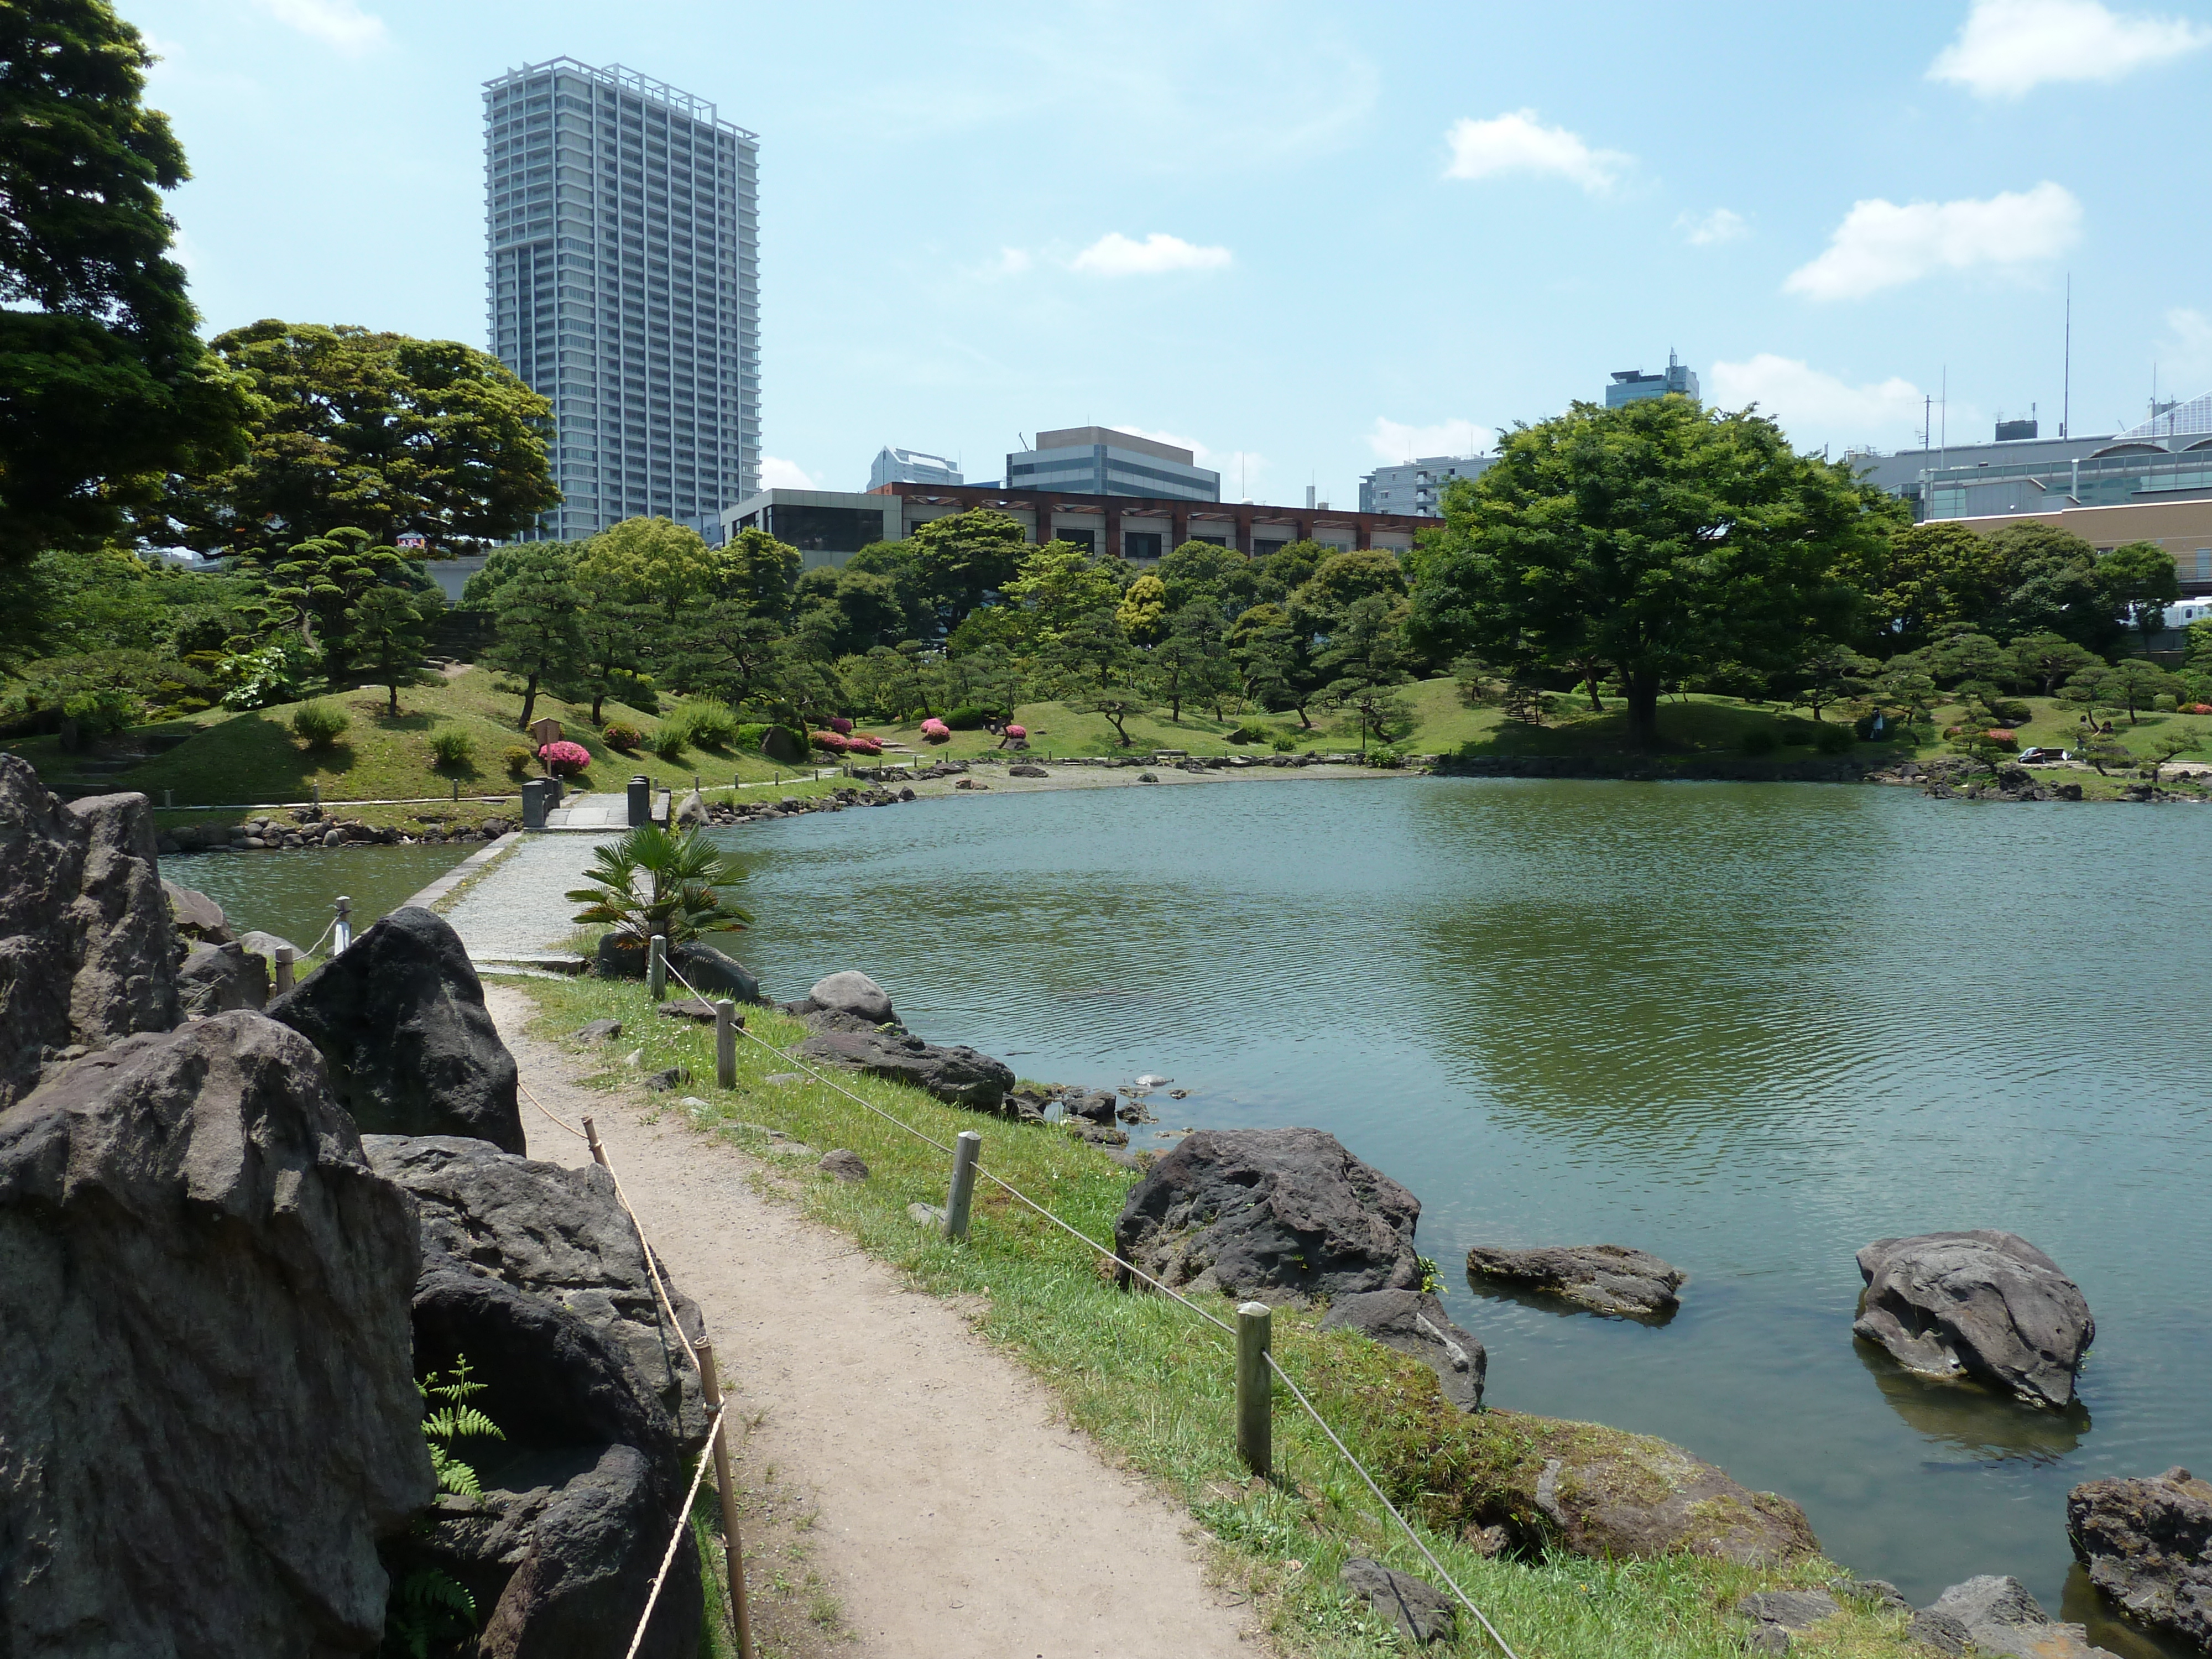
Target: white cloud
(1011, 262)
(1881, 245)
(2007, 48)
(777, 474)
(339, 23)
(1817, 408)
(1704, 229)
(2189, 349)
(1517, 143)
(1394, 441)
(1116, 255)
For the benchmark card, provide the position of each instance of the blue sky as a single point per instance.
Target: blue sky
(1303, 240)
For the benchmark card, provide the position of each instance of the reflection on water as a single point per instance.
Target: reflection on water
(1749, 1028)
(289, 894)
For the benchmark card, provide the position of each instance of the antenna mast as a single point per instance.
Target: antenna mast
(2066, 408)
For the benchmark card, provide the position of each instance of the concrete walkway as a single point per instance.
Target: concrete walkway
(521, 908)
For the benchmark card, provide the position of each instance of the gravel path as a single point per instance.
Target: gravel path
(958, 1515)
(518, 906)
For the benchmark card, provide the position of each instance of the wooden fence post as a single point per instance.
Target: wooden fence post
(740, 1615)
(1255, 1435)
(591, 1139)
(280, 969)
(965, 1151)
(726, 1044)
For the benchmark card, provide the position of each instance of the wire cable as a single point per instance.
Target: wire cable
(683, 1525)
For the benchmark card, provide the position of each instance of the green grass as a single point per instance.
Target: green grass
(254, 757)
(1153, 1382)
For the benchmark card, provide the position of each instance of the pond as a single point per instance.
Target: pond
(1749, 1027)
(289, 894)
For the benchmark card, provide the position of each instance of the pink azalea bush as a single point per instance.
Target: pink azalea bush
(841, 725)
(564, 759)
(934, 730)
(861, 743)
(1017, 732)
(832, 741)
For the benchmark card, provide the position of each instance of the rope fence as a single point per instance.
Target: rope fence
(1121, 1265)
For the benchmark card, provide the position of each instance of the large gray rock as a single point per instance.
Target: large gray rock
(558, 1234)
(1607, 1278)
(711, 972)
(1414, 1323)
(1281, 1215)
(195, 915)
(2148, 1544)
(207, 1414)
(1415, 1606)
(1999, 1616)
(854, 994)
(1983, 1303)
(955, 1074)
(400, 1019)
(221, 979)
(88, 952)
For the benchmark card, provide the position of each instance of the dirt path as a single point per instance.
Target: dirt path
(957, 1515)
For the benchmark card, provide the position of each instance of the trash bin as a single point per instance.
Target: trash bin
(533, 804)
(641, 800)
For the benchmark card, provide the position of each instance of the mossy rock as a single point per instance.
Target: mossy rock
(783, 745)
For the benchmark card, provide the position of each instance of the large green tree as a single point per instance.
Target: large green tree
(536, 609)
(1924, 581)
(378, 430)
(322, 580)
(963, 558)
(1663, 538)
(391, 631)
(2139, 581)
(105, 386)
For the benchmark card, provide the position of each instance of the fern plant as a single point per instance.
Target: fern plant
(452, 1420)
(428, 1610)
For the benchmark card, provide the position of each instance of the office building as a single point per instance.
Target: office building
(1098, 461)
(1417, 487)
(622, 238)
(830, 527)
(910, 466)
(1631, 386)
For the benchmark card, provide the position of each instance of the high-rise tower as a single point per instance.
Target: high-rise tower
(622, 231)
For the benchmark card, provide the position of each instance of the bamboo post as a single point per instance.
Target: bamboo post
(591, 1139)
(656, 966)
(281, 968)
(965, 1151)
(740, 1614)
(1253, 1387)
(725, 1043)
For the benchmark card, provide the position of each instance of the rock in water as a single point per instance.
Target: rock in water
(1601, 1491)
(1998, 1615)
(1607, 1278)
(207, 1414)
(1415, 1605)
(957, 1075)
(220, 979)
(854, 994)
(195, 915)
(2148, 1544)
(400, 1019)
(1984, 1304)
(1279, 1214)
(87, 948)
(1414, 1323)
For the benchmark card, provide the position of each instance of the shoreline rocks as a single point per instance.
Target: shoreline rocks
(954, 1073)
(1606, 1279)
(1414, 1323)
(2147, 1545)
(1416, 1606)
(1984, 1304)
(1279, 1215)
(1996, 1615)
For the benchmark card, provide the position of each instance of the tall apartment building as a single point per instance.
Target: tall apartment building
(1096, 460)
(622, 233)
(1632, 384)
(1417, 487)
(910, 466)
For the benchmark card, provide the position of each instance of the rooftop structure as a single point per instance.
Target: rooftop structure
(1417, 487)
(910, 466)
(1631, 386)
(621, 247)
(1100, 461)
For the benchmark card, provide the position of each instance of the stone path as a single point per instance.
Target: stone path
(520, 908)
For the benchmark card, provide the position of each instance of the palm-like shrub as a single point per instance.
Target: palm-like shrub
(656, 881)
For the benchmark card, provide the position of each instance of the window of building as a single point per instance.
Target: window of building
(1140, 544)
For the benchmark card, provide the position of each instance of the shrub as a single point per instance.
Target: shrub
(669, 739)
(1018, 733)
(517, 759)
(319, 725)
(1834, 739)
(861, 743)
(1284, 745)
(828, 740)
(104, 710)
(1386, 758)
(839, 725)
(620, 735)
(709, 724)
(1249, 735)
(2003, 736)
(934, 730)
(1761, 740)
(450, 746)
(967, 719)
(749, 736)
(564, 759)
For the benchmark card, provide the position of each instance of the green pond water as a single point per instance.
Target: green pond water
(1750, 1028)
(289, 894)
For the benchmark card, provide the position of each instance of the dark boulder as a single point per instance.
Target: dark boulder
(697, 1009)
(2148, 1544)
(1026, 770)
(709, 972)
(1415, 1606)
(1414, 1323)
(1998, 1616)
(844, 1164)
(400, 1019)
(1774, 1614)
(87, 953)
(207, 1414)
(555, 1233)
(1279, 1214)
(220, 979)
(957, 1075)
(1983, 1303)
(195, 915)
(599, 1030)
(1607, 1278)
(1094, 1105)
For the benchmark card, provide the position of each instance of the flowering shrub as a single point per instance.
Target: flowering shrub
(934, 730)
(2003, 736)
(1017, 732)
(841, 725)
(564, 759)
(861, 743)
(828, 740)
(621, 736)
(2200, 708)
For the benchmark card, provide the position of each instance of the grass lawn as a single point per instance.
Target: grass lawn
(1153, 1384)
